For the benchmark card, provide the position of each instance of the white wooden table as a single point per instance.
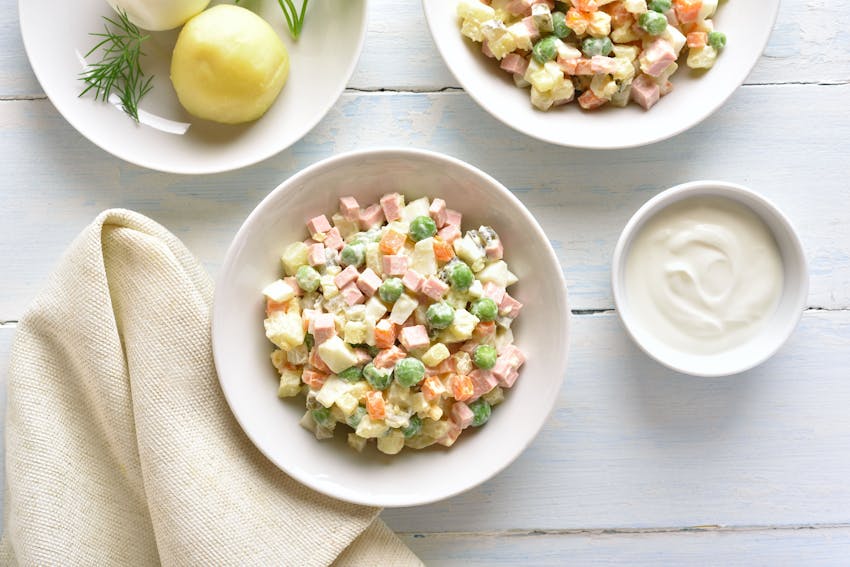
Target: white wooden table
(637, 465)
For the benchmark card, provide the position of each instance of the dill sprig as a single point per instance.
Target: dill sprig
(118, 69)
(294, 17)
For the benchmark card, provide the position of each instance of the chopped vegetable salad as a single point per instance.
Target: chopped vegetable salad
(595, 51)
(394, 323)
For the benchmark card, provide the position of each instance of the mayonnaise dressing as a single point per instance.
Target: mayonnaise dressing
(703, 275)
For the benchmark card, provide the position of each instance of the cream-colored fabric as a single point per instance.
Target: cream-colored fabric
(120, 448)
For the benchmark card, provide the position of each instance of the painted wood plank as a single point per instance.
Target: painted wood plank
(808, 45)
(814, 548)
(633, 445)
(581, 198)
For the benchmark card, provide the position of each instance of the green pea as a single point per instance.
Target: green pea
(485, 309)
(378, 378)
(354, 419)
(591, 46)
(351, 375)
(545, 50)
(309, 341)
(660, 5)
(653, 22)
(440, 315)
(390, 290)
(409, 371)
(484, 357)
(322, 416)
(414, 426)
(308, 278)
(717, 40)
(353, 254)
(559, 24)
(460, 276)
(421, 228)
(480, 412)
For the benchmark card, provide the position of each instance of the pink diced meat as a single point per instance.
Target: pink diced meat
(293, 283)
(502, 369)
(453, 218)
(394, 265)
(368, 282)
(568, 65)
(485, 49)
(602, 64)
(434, 288)
(462, 415)
(412, 280)
(392, 205)
(519, 7)
(494, 249)
(657, 57)
(323, 327)
(482, 382)
(494, 292)
(351, 294)
(645, 91)
(514, 63)
(449, 233)
(316, 254)
(318, 225)
(362, 355)
(437, 210)
(388, 357)
(371, 217)
(532, 29)
(509, 380)
(349, 208)
(346, 276)
(513, 356)
(333, 239)
(414, 337)
(509, 307)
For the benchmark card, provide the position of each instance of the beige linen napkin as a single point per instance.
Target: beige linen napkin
(120, 448)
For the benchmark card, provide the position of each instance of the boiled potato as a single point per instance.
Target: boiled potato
(228, 65)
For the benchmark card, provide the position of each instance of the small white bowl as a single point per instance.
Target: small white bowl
(747, 24)
(242, 351)
(776, 329)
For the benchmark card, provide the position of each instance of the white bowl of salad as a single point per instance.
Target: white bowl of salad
(390, 327)
(600, 74)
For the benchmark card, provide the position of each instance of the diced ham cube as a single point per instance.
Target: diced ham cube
(513, 356)
(494, 292)
(672, 20)
(451, 435)
(333, 239)
(656, 57)
(453, 218)
(395, 265)
(437, 211)
(368, 282)
(351, 294)
(584, 66)
(307, 318)
(494, 249)
(485, 49)
(323, 327)
(412, 280)
(363, 356)
(434, 288)
(602, 64)
(350, 208)
(462, 415)
(589, 101)
(316, 254)
(414, 337)
(509, 380)
(532, 28)
(318, 225)
(502, 369)
(514, 63)
(345, 277)
(482, 382)
(293, 283)
(388, 357)
(391, 204)
(519, 7)
(316, 362)
(313, 379)
(568, 64)
(371, 217)
(449, 233)
(645, 91)
(509, 307)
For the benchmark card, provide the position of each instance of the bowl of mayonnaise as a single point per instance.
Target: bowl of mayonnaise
(709, 278)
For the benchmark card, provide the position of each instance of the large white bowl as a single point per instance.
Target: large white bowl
(242, 352)
(56, 36)
(747, 24)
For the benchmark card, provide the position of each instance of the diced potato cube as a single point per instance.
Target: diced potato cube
(603, 86)
(635, 6)
(497, 272)
(279, 291)
(337, 354)
(329, 289)
(495, 396)
(290, 383)
(307, 422)
(600, 24)
(294, 256)
(285, 330)
(332, 389)
(374, 309)
(462, 326)
(399, 395)
(474, 13)
(435, 355)
(470, 252)
(630, 52)
(369, 429)
(346, 403)
(417, 208)
(419, 441)
(373, 258)
(356, 442)
(423, 259)
(702, 57)
(392, 442)
(297, 355)
(402, 309)
(346, 227)
(434, 428)
(279, 360)
(355, 332)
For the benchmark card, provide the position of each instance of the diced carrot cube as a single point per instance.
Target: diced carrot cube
(586, 5)
(313, 379)
(590, 101)
(462, 387)
(619, 15)
(687, 11)
(384, 334)
(577, 21)
(432, 388)
(392, 241)
(443, 250)
(697, 39)
(273, 306)
(375, 405)
(484, 329)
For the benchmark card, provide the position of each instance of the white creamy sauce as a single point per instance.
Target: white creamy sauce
(703, 275)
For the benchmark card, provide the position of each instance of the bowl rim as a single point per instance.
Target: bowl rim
(391, 152)
(723, 190)
(706, 110)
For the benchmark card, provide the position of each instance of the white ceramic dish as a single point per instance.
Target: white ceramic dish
(242, 351)
(778, 326)
(56, 36)
(747, 24)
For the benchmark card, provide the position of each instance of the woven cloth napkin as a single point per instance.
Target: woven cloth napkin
(120, 447)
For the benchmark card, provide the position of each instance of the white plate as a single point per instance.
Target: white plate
(56, 36)
(250, 382)
(746, 23)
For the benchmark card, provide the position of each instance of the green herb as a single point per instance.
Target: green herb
(294, 18)
(119, 68)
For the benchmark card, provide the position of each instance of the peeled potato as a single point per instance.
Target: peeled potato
(228, 65)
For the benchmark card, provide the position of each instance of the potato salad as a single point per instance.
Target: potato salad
(597, 52)
(394, 323)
